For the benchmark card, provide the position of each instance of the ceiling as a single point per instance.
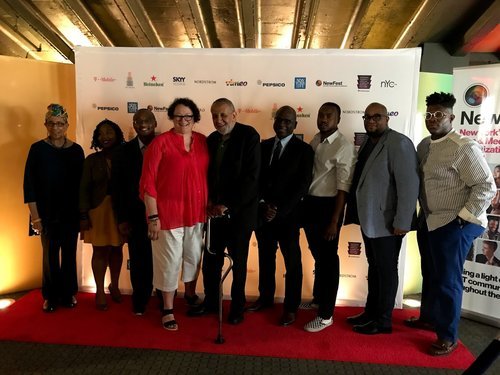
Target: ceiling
(50, 29)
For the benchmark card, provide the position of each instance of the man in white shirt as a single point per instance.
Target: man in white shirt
(334, 159)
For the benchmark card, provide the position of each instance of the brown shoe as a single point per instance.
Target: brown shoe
(442, 347)
(417, 323)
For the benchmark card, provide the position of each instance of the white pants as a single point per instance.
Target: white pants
(173, 248)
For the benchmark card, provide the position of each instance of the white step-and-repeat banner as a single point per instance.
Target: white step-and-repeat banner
(114, 82)
(477, 112)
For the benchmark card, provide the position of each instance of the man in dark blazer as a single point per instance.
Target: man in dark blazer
(383, 200)
(233, 189)
(130, 210)
(285, 176)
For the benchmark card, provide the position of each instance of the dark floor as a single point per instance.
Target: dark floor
(32, 358)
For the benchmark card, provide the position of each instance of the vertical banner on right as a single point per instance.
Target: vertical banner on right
(477, 90)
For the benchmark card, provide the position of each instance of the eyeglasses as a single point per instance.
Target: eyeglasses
(58, 124)
(188, 118)
(438, 115)
(376, 117)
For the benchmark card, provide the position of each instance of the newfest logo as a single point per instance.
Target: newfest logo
(153, 82)
(105, 108)
(364, 82)
(104, 79)
(270, 84)
(234, 83)
(322, 83)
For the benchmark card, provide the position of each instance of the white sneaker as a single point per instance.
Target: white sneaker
(318, 324)
(308, 306)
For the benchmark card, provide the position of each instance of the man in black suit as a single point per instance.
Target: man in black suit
(129, 208)
(285, 176)
(233, 188)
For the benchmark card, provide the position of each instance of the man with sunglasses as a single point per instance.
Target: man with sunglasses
(457, 188)
(382, 200)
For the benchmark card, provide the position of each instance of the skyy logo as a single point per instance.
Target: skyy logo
(179, 80)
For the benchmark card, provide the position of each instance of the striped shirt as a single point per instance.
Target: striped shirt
(455, 180)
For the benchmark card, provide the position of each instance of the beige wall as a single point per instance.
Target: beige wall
(28, 86)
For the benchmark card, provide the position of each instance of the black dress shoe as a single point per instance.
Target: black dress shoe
(235, 318)
(201, 310)
(71, 302)
(258, 305)
(371, 328)
(48, 306)
(287, 318)
(359, 319)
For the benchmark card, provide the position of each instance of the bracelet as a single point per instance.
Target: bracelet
(36, 221)
(153, 217)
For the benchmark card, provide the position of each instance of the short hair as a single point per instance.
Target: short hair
(56, 110)
(185, 102)
(226, 102)
(493, 244)
(146, 110)
(334, 105)
(96, 145)
(491, 217)
(441, 98)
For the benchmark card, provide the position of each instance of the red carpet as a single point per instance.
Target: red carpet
(258, 335)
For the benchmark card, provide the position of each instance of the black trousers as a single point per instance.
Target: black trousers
(141, 265)
(59, 280)
(382, 254)
(225, 234)
(286, 233)
(318, 212)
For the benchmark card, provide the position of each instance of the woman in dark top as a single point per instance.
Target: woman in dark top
(98, 222)
(51, 181)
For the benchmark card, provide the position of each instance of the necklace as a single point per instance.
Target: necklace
(56, 147)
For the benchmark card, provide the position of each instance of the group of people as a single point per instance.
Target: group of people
(157, 192)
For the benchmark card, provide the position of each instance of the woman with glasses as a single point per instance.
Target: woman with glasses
(174, 188)
(98, 223)
(51, 180)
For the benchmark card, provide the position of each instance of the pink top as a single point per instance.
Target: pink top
(177, 179)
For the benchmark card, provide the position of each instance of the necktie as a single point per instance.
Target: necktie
(143, 149)
(276, 155)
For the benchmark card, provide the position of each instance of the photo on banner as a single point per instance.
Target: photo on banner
(477, 115)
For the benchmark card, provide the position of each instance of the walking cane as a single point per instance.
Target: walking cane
(220, 339)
